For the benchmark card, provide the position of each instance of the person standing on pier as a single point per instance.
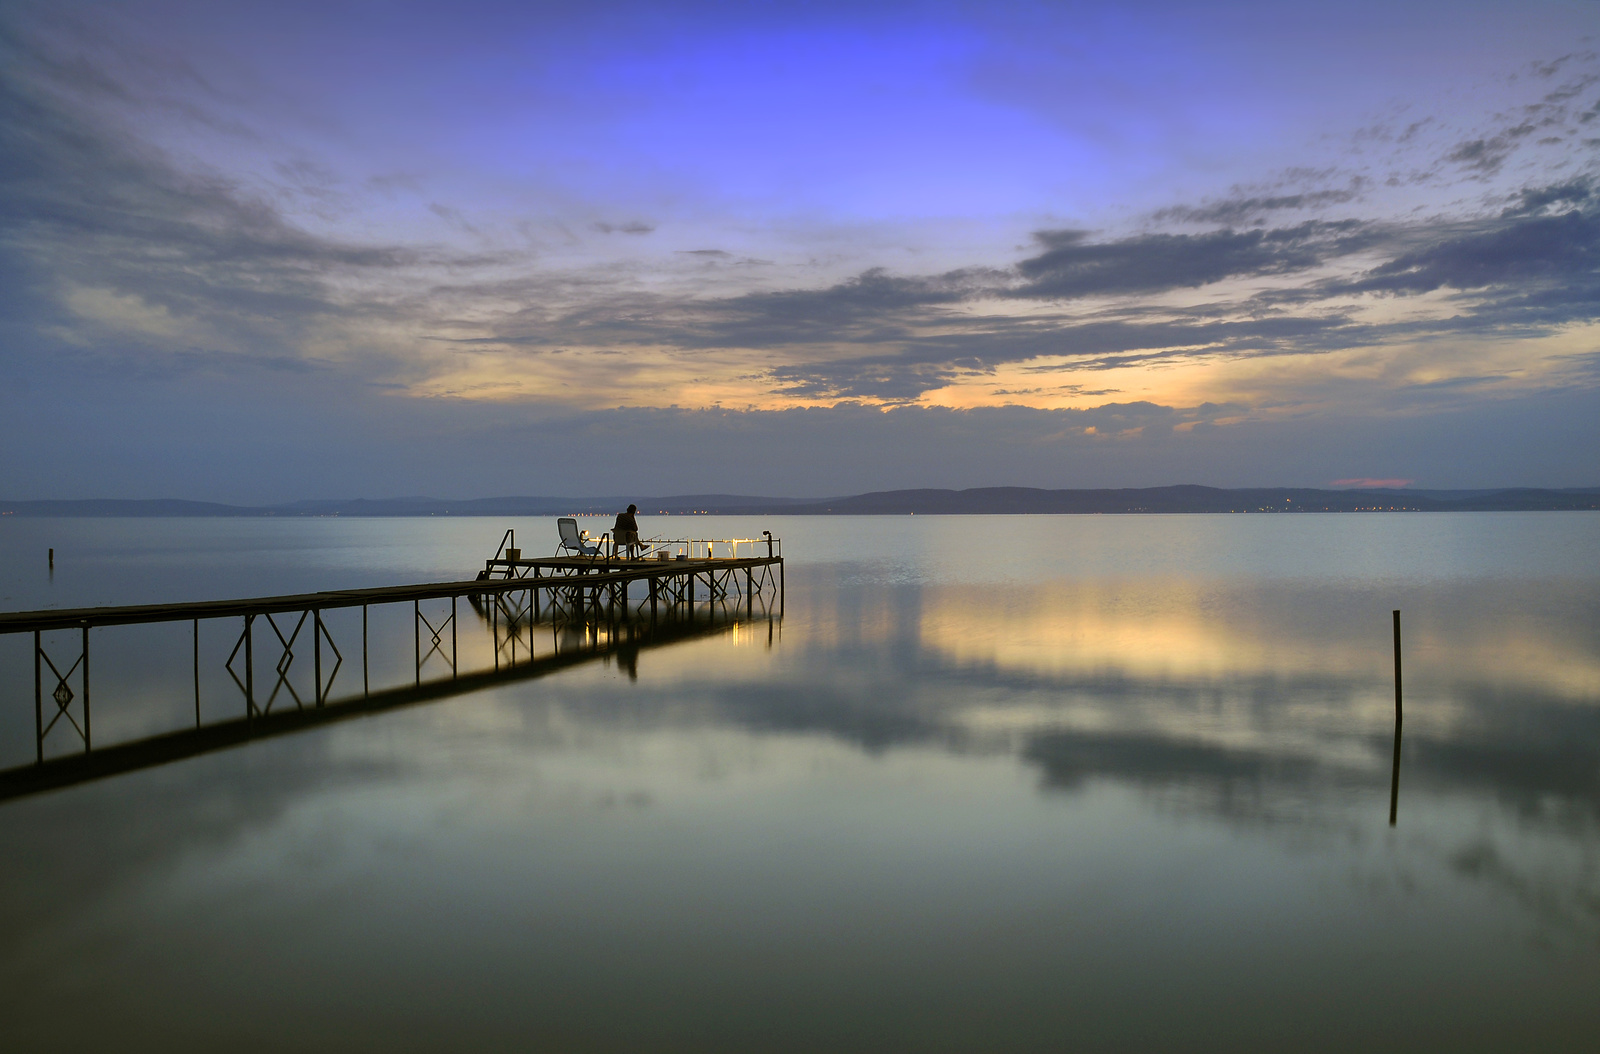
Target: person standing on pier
(625, 533)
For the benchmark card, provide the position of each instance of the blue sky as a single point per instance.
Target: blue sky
(253, 252)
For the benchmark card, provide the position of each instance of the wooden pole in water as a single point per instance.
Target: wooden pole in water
(1394, 779)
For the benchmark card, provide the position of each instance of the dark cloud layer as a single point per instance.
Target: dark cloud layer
(1522, 251)
(1072, 266)
(1531, 268)
(1247, 209)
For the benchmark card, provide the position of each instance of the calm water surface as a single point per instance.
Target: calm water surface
(992, 783)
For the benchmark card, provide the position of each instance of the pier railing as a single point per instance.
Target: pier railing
(664, 548)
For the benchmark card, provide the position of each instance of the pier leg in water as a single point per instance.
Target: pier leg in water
(249, 671)
(197, 673)
(86, 689)
(38, 704)
(316, 653)
(1394, 778)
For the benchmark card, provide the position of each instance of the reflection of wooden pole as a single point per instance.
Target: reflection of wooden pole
(1394, 779)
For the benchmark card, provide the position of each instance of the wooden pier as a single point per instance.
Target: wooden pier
(595, 606)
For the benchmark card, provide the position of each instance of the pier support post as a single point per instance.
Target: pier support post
(38, 704)
(197, 673)
(249, 671)
(416, 635)
(366, 683)
(86, 688)
(316, 653)
(454, 665)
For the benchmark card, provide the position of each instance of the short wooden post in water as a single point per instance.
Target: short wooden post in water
(1394, 779)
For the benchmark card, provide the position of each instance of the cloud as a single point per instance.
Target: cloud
(79, 198)
(1532, 200)
(893, 338)
(1072, 266)
(631, 227)
(1253, 208)
(1522, 251)
(453, 216)
(1487, 155)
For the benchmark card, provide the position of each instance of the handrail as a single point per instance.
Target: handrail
(707, 548)
(511, 537)
(696, 548)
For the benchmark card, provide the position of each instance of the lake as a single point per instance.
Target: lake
(990, 783)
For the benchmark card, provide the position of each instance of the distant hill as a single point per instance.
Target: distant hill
(978, 501)
(1191, 498)
(682, 504)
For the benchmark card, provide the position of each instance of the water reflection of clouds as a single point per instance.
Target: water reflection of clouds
(1298, 672)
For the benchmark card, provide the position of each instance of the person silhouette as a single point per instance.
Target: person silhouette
(625, 532)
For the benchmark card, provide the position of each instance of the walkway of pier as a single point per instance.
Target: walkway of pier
(594, 606)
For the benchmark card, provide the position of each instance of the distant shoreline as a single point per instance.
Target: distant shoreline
(977, 501)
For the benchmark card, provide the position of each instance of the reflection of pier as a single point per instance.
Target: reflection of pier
(543, 615)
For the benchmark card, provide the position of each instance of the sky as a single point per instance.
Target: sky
(264, 252)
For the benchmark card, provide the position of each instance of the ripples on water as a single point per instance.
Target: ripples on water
(992, 784)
